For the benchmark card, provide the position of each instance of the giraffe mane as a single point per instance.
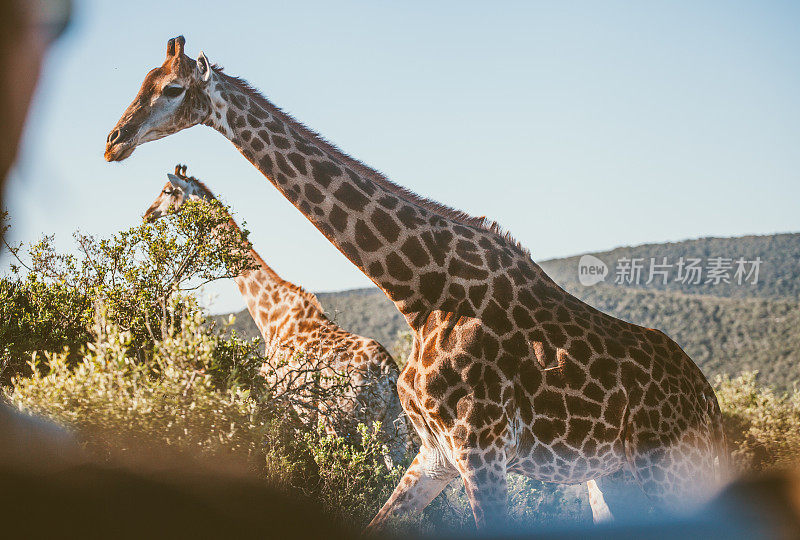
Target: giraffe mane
(443, 210)
(308, 296)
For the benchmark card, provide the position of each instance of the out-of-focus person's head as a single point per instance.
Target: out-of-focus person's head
(27, 27)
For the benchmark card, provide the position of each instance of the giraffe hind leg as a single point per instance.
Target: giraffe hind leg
(600, 511)
(617, 496)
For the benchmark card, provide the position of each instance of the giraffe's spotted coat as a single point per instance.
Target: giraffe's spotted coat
(508, 371)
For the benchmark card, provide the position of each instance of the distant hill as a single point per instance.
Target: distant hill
(778, 276)
(724, 327)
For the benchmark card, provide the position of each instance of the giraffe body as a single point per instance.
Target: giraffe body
(508, 372)
(292, 324)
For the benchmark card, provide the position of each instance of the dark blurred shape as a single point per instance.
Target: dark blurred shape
(27, 27)
(767, 505)
(50, 17)
(32, 444)
(47, 490)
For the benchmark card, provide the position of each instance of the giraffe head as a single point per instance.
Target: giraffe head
(172, 97)
(175, 194)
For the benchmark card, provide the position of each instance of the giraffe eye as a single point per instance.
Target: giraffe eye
(172, 91)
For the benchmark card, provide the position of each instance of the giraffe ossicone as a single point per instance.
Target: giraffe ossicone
(487, 322)
(360, 386)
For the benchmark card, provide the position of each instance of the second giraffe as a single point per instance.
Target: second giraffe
(293, 324)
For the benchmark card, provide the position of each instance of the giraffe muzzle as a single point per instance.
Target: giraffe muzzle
(119, 145)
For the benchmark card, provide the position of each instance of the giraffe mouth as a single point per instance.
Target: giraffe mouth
(119, 151)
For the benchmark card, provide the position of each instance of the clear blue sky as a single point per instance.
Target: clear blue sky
(580, 126)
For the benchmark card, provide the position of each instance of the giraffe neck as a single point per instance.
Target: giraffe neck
(270, 299)
(399, 240)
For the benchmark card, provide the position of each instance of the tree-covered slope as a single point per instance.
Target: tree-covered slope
(778, 275)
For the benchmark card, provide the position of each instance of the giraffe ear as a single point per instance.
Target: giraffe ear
(203, 67)
(175, 181)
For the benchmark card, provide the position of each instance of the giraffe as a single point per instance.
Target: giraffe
(291, 321)
(508, 372)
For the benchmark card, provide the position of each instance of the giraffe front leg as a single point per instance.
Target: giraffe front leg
(427, 476)
(484, 474)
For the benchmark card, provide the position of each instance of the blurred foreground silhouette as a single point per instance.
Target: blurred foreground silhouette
(49, 487)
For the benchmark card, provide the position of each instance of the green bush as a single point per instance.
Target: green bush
(112, 400)
(763, 427)
(353, 481)
(39, 316)
(49, 299)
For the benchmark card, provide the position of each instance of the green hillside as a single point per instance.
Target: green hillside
(778, 276)
(725, 327)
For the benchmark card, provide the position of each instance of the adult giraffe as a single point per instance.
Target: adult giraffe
(508, 372)
(291, 320)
